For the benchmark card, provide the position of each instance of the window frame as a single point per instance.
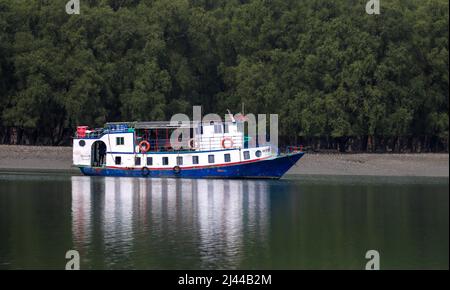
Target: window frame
(120, 141)
(226, 128)
(218, 129)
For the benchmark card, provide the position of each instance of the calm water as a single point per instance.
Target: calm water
(304, 223)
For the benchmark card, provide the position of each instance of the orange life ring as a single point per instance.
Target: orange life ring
(144, 146)
(227, 139)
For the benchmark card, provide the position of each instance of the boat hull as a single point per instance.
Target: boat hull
(273, 168)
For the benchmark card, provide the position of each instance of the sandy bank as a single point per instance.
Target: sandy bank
(436, 165)
(36, 158)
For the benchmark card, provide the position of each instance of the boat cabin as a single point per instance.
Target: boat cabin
(148, 144)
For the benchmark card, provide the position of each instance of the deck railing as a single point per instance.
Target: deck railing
(294, 149)
(98, 133)
(195, 144)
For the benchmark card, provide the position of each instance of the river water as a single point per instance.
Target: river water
(316, 222)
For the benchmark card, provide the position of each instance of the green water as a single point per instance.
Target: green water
(297, 223)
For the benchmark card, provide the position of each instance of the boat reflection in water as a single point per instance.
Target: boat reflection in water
(169, 223)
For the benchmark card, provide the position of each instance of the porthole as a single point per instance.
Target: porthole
(82, 143)
(258, 153)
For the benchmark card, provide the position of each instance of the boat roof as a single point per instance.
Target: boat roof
(158, 124)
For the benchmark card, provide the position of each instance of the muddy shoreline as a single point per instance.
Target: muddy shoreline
(59, 160)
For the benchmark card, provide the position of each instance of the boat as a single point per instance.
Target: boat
(145, 149)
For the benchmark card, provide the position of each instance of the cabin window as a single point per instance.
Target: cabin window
(120, 140)
(149, 160)
(179, 160)
(194, 159)
(218, 129)
(137, 161)
(246, 155)
(211, 158)
(227, 157)
(240, 127)
(118, 160)
(225, 128)
(165, 160)
(82, 143)
(258, 153)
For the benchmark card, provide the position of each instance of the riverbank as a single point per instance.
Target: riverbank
(36, 158)
(426, 164)
(59, 159)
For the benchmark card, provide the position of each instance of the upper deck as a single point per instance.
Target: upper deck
(191, 136)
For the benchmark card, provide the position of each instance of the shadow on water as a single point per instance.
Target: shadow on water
(311, 223)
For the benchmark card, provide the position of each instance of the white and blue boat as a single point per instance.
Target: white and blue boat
(143, 149)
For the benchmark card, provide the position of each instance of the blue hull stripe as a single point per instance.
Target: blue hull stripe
(269, 168)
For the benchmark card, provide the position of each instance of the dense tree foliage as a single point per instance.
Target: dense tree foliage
(338, 77)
